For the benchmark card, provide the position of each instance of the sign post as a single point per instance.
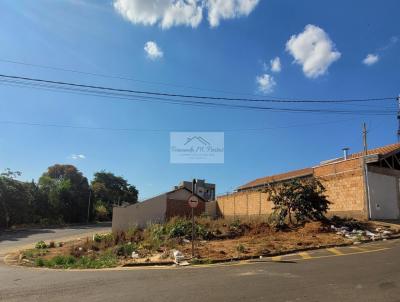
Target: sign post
(193, 203)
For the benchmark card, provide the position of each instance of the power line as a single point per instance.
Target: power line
(142, 92)
(116, 93)
(118, 77)
(194, 103)
(51, 125)
(271, 99)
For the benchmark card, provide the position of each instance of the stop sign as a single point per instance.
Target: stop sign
(193, 201)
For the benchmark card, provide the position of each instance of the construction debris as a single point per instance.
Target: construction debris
(358, 235)
(178, 256)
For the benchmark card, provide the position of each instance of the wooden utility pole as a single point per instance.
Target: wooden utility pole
(88, 207)
(193, 229)
(365, 169)
(398, 118)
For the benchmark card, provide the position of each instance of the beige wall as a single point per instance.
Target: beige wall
(140, 214)
(344, 188)
(251, 203)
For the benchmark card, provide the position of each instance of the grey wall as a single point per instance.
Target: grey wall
(141, 214)
(383, 195)
(211, 209)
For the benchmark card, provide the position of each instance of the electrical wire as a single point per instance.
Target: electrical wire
(52, 125)
(117, 93)
(164, 94)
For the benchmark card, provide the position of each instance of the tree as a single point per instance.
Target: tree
(67, 192)
(15, 200)
(304, 199)
(110, 189)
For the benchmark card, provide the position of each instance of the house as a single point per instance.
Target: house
(203, 189)
(159, 209)
(355, 189)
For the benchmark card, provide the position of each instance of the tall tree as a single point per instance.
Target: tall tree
(110, 189)
(15, 200)
(67, 191)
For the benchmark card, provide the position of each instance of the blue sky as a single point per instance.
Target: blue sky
(205, 48)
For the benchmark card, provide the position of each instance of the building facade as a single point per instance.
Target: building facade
(364, 186)
(159, 209)
(203, 189)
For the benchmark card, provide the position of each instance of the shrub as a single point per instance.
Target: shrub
(39, 262)
(125, 249)
(40, 245)
(134, 234)
(179, 227)
(303, 198)
(107, 239)
(62, 261)
(52, 244)
(240, 248)
(108, 259)
(100, 210)
(97, 237)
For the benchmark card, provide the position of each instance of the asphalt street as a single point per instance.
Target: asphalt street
(363, 273)
(15, 239)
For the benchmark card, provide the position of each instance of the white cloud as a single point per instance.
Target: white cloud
(314, 50)
(153, 51)
(266, 83)
(276, 65)
(168, 13)
(228, 9)
(78, 156)
(370, 59)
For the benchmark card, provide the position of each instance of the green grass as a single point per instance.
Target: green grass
(34, 253)
(197, 261)
(105, 260)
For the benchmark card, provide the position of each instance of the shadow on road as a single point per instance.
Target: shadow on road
(16, 235)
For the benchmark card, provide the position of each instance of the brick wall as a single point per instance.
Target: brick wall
(344, 188)
(182, 208)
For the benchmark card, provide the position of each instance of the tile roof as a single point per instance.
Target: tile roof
(278, 177)
(383, 151)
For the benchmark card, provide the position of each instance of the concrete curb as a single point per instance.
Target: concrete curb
(254, 257)
(209, 261)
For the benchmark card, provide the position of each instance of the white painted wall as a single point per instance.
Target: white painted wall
(140, 214)
(383, 195)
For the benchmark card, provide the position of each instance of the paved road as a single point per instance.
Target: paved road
(364, 273)
(12, 240)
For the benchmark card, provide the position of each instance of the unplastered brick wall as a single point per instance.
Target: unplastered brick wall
(344, 186)
(250, 203)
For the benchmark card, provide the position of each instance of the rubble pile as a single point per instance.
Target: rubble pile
(358, 235)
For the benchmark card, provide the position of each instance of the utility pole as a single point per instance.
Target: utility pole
(193, 229)
(365, 169)
(88, 207)
(398, 118)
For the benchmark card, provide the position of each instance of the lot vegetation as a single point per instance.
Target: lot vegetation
(216, 240)
(60, 196)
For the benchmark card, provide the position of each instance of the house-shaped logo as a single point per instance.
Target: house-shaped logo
(197, 147)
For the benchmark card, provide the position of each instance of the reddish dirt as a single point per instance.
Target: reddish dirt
(264, 241)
